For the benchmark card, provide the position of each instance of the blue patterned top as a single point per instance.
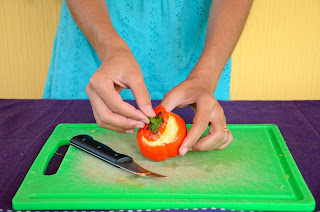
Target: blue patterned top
(166, 37)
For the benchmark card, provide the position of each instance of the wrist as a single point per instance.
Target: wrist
(110, 46)
(203, 81)
(206, 73)
(209, 67)
(106, 41)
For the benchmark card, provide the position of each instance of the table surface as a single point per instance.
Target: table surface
(25, 125)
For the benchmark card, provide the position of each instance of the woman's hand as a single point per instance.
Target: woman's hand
(225, 24)
(120, 70)
(195, 92)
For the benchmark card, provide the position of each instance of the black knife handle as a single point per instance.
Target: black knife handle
(100, 150)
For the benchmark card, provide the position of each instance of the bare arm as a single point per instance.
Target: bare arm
(94, 20)
(226, 22)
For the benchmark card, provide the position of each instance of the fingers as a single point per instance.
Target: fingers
(170, 101)
(230, 139)
(107, 119)
(207, 109)
(200, 124)
(113, 100)
(219, 136)
(216, 139)
(111, 127)
(142, 97)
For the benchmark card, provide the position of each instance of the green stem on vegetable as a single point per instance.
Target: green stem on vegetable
(155, 123)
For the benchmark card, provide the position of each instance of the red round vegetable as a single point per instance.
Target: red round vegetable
(163, 136)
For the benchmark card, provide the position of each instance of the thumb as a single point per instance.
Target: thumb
(142, 97)
(170, 101)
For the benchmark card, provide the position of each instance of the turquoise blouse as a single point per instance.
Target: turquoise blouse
(166, 37)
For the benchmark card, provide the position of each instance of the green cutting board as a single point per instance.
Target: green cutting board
(256, 172)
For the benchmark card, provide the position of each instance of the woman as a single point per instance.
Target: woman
(171, 50)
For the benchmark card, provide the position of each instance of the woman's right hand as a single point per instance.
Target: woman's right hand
(119, 70)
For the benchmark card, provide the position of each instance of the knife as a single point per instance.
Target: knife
(102, 151)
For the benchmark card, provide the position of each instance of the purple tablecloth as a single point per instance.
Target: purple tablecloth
(25, 125)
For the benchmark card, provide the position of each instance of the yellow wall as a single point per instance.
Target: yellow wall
(276, 58)
(27, 30)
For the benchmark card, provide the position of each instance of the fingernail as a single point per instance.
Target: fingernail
(140, 125)
(146, 121)
(151, 111)
(184, 151)
(144, 118)
(130, 131)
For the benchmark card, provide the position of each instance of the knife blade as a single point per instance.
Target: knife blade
(103, 152)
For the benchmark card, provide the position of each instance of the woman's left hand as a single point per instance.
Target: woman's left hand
(194, 92)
